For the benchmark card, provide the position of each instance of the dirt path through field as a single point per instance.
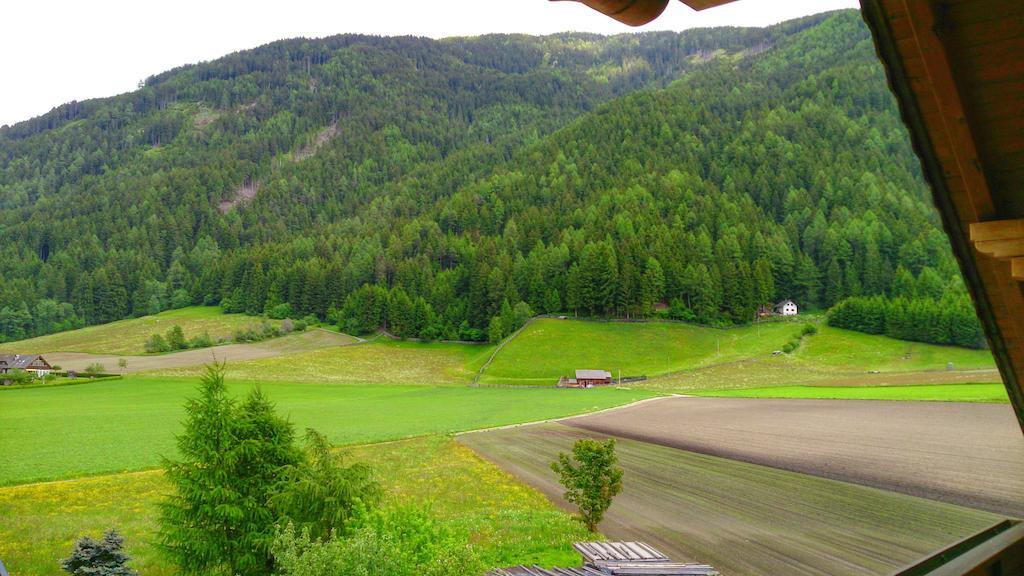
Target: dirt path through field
(967, 454)
(310, 340)
(742, 518)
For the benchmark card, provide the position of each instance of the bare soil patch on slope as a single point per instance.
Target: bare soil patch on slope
(966, 454)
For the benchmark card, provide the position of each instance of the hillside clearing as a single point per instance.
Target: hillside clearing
(128, 337)
(835, 347)
(120, 425)
(508, 521)
(739, 517)
(684, 357)
(549, 348)
(382, 361)
(964, 454)
(313, 339)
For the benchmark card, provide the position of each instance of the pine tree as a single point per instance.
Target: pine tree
(553, 302)
(807, 281)
(323, 496)
(652, 286)
(495, 330)
(764, 283)
(219, 518)
(833, 282)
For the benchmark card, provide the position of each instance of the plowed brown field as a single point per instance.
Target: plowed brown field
(966, 454)
(743, 518)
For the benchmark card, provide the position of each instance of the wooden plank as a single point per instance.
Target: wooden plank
(997, 230)
(1001, 249)
(1017, 268)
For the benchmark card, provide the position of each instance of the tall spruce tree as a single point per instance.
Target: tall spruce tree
(219, 518)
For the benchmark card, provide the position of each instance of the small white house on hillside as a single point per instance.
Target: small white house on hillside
(786, 308)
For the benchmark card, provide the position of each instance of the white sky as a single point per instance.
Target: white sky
(55, 51)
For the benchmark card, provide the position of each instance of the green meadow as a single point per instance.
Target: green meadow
(549, 348)
(119, 425)
(507, 521)
(673, 353)
(838, 348)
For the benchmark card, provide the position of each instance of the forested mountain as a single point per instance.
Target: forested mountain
(433, 186)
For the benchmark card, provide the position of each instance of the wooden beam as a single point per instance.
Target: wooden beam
(1017, 269)
(1000, 239)
(915, 39)
(997, 230)
(1001, 249)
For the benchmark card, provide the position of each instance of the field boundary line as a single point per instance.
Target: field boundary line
(509, 338)
(559, 418)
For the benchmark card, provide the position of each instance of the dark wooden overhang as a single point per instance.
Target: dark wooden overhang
(957, 70)
(638, 12)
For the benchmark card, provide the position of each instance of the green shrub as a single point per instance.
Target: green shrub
(300, 325)
(809, 330)
(180, 299)
(176, 339)
(98, 558)
(397, 542)
(157, 345)
(202, 341)
(17, 377)
(280, 312)
(95, 369)
(788, 347)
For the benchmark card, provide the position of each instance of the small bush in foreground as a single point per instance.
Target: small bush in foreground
(98, 558)
(402, 541)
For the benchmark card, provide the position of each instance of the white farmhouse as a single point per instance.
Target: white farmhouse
(786, 308)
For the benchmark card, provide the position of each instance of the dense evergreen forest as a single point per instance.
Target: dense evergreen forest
(448, 189)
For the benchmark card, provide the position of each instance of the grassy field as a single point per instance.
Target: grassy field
(834, 347)
(382, 361)
(742, 518)
(685, 357)
(129, 336)
(550, 348)
(922, 392)
(122, 425)
(507, 521)
(784, 370)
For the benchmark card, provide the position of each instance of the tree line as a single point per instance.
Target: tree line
(465, 184)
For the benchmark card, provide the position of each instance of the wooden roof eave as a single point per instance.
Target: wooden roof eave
(640, 12)
(934, 89)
